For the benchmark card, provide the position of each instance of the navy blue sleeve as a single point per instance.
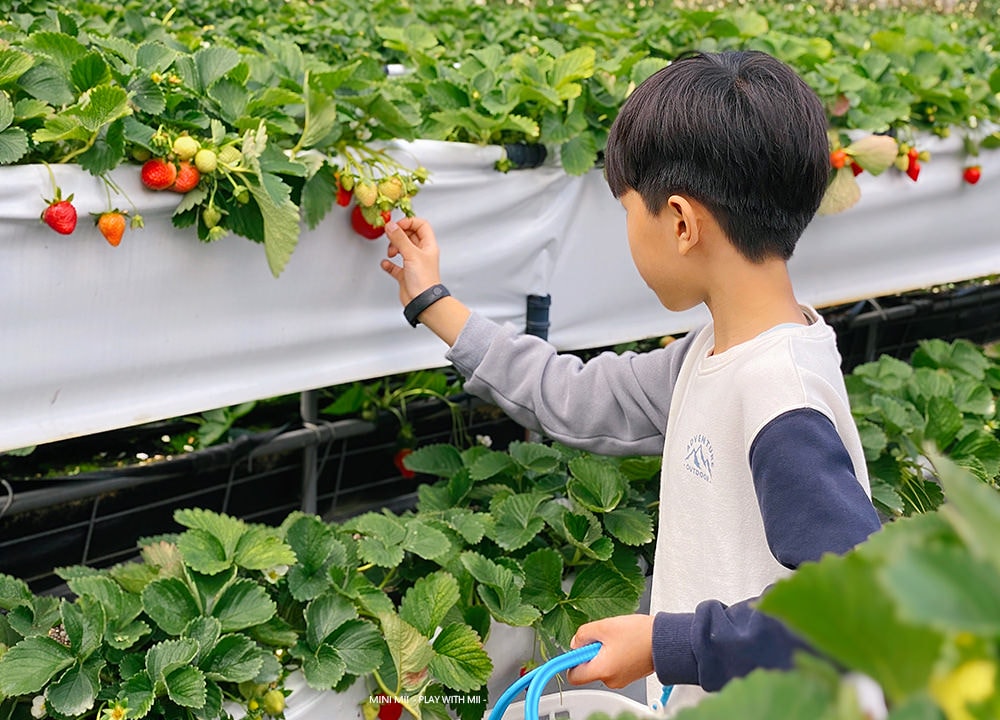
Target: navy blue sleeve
(811, 503)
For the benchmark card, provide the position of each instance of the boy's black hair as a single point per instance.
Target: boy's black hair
(738, 131)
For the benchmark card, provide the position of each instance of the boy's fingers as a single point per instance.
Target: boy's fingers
(398, 237)
(392, 269)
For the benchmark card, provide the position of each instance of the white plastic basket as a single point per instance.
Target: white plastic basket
(579, 705)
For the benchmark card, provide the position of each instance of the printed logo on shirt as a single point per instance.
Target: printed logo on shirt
(700, 457)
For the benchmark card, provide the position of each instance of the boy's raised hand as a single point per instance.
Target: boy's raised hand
(412, 240)
(626, 651)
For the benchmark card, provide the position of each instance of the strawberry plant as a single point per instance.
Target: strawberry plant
(535, 520)
(222, 613)
(944, 398)
(310, 93)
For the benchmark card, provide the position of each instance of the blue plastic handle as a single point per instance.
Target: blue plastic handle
(537, 679)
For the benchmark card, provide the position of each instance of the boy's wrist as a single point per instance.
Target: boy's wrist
(422, 301)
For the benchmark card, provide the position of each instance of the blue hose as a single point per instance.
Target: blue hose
(537, 679)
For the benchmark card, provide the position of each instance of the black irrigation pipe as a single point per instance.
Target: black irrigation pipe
(213, 458)
(873, 319)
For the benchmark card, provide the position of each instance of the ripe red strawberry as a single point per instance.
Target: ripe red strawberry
(343, 195)
(112, 226)
(364, 228)
(856, 169)
(913, 169)
(838, 158)
(158, 174)
(187, 178)
(390, 710)
(972, 173)
(398, 459)
(60, 215)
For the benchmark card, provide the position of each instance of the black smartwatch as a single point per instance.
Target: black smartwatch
(423, 301)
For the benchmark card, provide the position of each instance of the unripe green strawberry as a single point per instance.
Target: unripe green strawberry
(206, 161)
(366, 193)
(274, 702)
(346, 181)
(230, 155)
(391, 188)
(185, 147)
(211, 216)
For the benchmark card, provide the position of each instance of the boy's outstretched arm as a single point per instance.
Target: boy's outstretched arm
(412, 240)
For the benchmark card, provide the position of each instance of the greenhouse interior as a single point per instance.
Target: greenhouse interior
(451, 360)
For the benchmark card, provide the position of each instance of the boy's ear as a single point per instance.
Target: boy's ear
(685, 223)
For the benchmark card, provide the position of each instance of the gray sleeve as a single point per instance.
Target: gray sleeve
(614, 404)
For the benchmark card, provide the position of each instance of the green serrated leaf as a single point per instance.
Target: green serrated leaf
(205, 631)
(84, 622)
(767, 694)
(629, 525)
(165, 657)
(410, 651)
(28, 666)
(596, 484)
(48, 83)
(13, 145)
(107, 151)
(360, 645)
(73, 693)
(234, 658)
(858, 625)
(13, 592)
(973, 509)
(214, 62)
(226, 530)
(137, 694)
(600, 591)
(491, 464)
(440, 460)
(326, 614)
(99, 106)
(62, 49)
(281, 223)
(460, 662)
(13, 64)
(425, 540)
(543, 574)
(89, 71)
(470, 525)
(427, 602)
(61, 128)
(170, 604)
(579, 154)
(186, 687)
(517, 520)
(243, 604)
(946, 588)
(203, 551)
(323, 669)
(318, 195)
(260, 549)
(535, 457)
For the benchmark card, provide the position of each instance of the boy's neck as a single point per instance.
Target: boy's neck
(752, 298)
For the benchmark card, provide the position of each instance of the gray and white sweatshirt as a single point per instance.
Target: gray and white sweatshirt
(762, 471)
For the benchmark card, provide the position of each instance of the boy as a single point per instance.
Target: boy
(720, 161)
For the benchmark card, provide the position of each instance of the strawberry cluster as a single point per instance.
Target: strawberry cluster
(180, 169)
(374, 198)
